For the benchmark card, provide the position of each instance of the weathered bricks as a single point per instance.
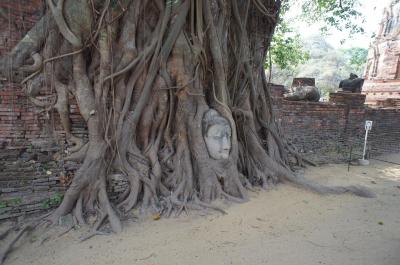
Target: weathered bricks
(325, 132)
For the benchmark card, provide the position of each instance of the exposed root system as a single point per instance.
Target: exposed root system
(144, 74)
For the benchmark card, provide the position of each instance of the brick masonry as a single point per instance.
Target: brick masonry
(382, 73)
(325, 132)
(33, 175)
(21, 16)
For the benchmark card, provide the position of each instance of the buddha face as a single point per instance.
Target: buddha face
(217, 135)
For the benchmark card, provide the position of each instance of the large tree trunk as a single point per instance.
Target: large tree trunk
(160, 84)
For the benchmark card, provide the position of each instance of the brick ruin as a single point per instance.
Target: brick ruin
(382, 74)
(33, 175)
(325, 131)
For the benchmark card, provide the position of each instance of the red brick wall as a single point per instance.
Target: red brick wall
(324, 132)
(29, 137)
(385, 133)
(21, 16)
(18, 119)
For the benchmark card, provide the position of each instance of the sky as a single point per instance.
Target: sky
(372, 11)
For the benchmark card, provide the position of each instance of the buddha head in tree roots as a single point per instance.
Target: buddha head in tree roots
(217, 135)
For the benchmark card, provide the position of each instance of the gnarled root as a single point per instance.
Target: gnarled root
(321, 189)
(143, 85)
(9, 246)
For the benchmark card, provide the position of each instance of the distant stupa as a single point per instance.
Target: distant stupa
(383, 67)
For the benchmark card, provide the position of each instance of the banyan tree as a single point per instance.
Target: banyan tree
(175, 98)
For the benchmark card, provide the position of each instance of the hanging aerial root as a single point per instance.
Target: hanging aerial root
(36, 66)
(58, 16)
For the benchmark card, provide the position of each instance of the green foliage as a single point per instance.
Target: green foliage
(54, 200)
(57, 198)
(287, 49)
(327, 65)
(10, 203)
(113, 3)
(15, 202)
(338, 14)
(29, 148)
(3, 204)
(172, 2)
(45, 203)
(45, 166)
(357, 57)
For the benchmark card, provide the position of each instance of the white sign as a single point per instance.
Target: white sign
(368, 125)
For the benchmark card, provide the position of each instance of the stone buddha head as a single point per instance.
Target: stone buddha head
(217, 135)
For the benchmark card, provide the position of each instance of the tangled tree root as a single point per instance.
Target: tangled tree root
(144, 75)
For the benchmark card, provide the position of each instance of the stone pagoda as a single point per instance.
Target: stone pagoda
(382, 75)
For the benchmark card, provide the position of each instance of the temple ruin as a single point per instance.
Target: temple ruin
(382, 74)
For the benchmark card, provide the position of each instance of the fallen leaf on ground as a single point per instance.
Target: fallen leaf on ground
(156, 217)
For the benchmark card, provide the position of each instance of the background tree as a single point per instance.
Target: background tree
(294, 56)
(287, 49)
(357, 58)
(328, 65)
(339, 14)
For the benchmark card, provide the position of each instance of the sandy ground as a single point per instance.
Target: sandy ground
(284, 226)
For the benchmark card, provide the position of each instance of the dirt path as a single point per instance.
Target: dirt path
(284, 226)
